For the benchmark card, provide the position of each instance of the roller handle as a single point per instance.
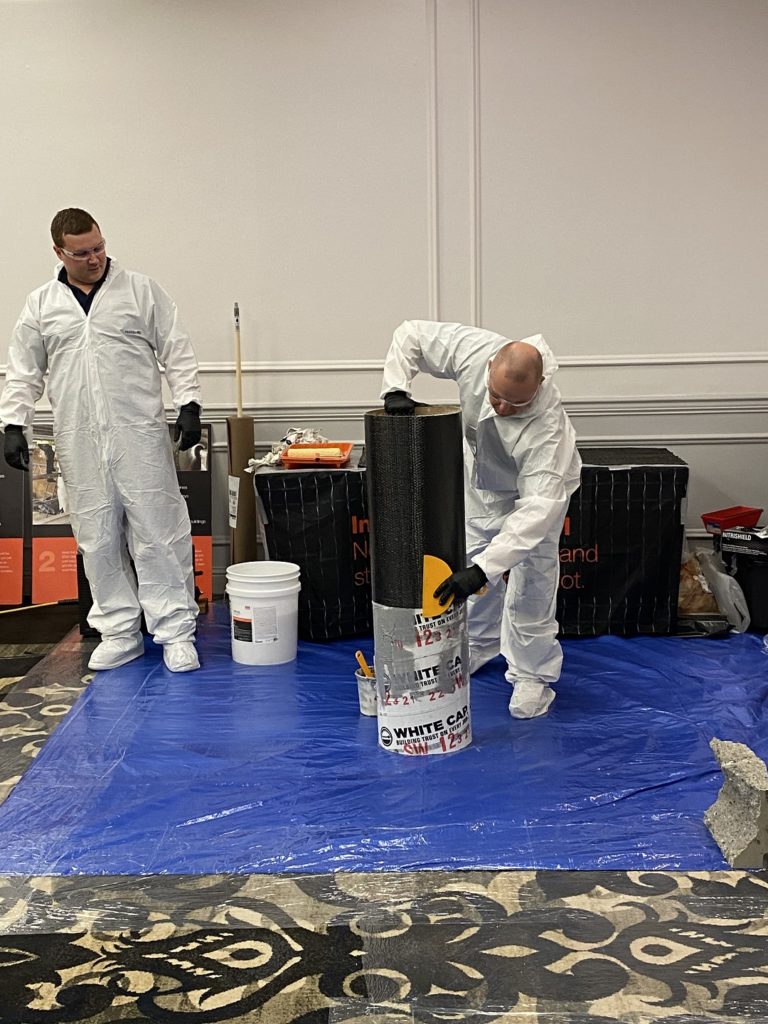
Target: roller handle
(363, 664)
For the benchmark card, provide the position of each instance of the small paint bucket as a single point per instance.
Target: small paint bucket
(366, 692)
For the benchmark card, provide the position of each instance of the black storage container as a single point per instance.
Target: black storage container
(318, 519)
(745, 552)
(622, 542)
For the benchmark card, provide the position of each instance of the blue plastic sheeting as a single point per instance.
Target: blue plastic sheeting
(272, 769)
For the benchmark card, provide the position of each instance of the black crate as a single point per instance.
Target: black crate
(621, 547)
(317, 519)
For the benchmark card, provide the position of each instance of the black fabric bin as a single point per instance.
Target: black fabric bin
(621, 546)
(317, 518)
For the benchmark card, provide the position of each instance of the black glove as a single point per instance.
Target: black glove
(397, 403)
(461, 584)
(16, 448)
(188, 426)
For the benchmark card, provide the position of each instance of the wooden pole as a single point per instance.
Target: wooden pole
(240, 443)
(238, 363)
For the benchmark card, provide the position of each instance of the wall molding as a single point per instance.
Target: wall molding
(596, 361)
(655, 405)
(675, 405)
(666, 440)
(666, 405)
(665, 359)
(591, 361)
(308, 414)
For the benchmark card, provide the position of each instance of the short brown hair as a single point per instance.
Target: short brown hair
(71, 222)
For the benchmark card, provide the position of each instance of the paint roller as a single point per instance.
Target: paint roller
(243, 546)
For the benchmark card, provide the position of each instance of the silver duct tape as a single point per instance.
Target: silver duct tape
(418, 655)
(422, 680)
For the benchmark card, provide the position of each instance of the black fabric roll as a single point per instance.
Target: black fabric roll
(415, 499)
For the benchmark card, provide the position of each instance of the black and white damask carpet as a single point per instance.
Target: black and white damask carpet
(427, 947)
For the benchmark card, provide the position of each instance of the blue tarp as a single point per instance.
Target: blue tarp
(273, 769)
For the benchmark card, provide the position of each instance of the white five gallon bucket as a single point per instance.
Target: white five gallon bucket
(264, 611)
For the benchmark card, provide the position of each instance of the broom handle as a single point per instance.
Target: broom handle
(238, 366)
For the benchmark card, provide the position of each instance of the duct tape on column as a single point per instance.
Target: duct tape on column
(422, 680)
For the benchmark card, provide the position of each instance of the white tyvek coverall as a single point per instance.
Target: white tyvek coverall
(519, 474)
(112, 441)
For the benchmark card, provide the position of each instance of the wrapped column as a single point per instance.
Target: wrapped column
(415, 481)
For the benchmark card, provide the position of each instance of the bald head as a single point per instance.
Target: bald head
(518, 363)
(514, 376)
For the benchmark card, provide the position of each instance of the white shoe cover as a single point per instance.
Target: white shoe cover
(181, 656)
(116, 652)
(530, 698)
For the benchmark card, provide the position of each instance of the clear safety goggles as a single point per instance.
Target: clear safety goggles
(84, 254)
(500, 398)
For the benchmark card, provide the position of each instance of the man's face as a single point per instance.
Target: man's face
(84, 256)
(508, 399)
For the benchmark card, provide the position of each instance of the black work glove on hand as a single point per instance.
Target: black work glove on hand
(397, 403)
(461, 584)
(188, 426)
(16, 448)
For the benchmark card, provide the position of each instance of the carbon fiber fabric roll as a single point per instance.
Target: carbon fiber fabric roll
(415, 498)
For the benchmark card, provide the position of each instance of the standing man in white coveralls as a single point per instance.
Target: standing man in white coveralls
(520, 468)
(101, 334)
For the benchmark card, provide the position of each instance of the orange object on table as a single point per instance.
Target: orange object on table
(330, 453)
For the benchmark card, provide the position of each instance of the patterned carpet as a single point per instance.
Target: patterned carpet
(481, 947)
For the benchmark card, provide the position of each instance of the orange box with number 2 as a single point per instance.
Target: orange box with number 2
(54, 569)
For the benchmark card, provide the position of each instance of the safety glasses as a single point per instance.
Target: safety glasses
(500, 398)
(84, 254)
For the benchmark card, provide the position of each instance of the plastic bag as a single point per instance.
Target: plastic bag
(695, 595)
(295, 435)
(728, 594)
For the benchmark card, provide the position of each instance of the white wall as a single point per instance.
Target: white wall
(594, 169)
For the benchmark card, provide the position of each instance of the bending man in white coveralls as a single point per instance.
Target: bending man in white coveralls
(520, 469)
(101, 334)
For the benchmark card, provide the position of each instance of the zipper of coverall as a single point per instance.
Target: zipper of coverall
(98, 399)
